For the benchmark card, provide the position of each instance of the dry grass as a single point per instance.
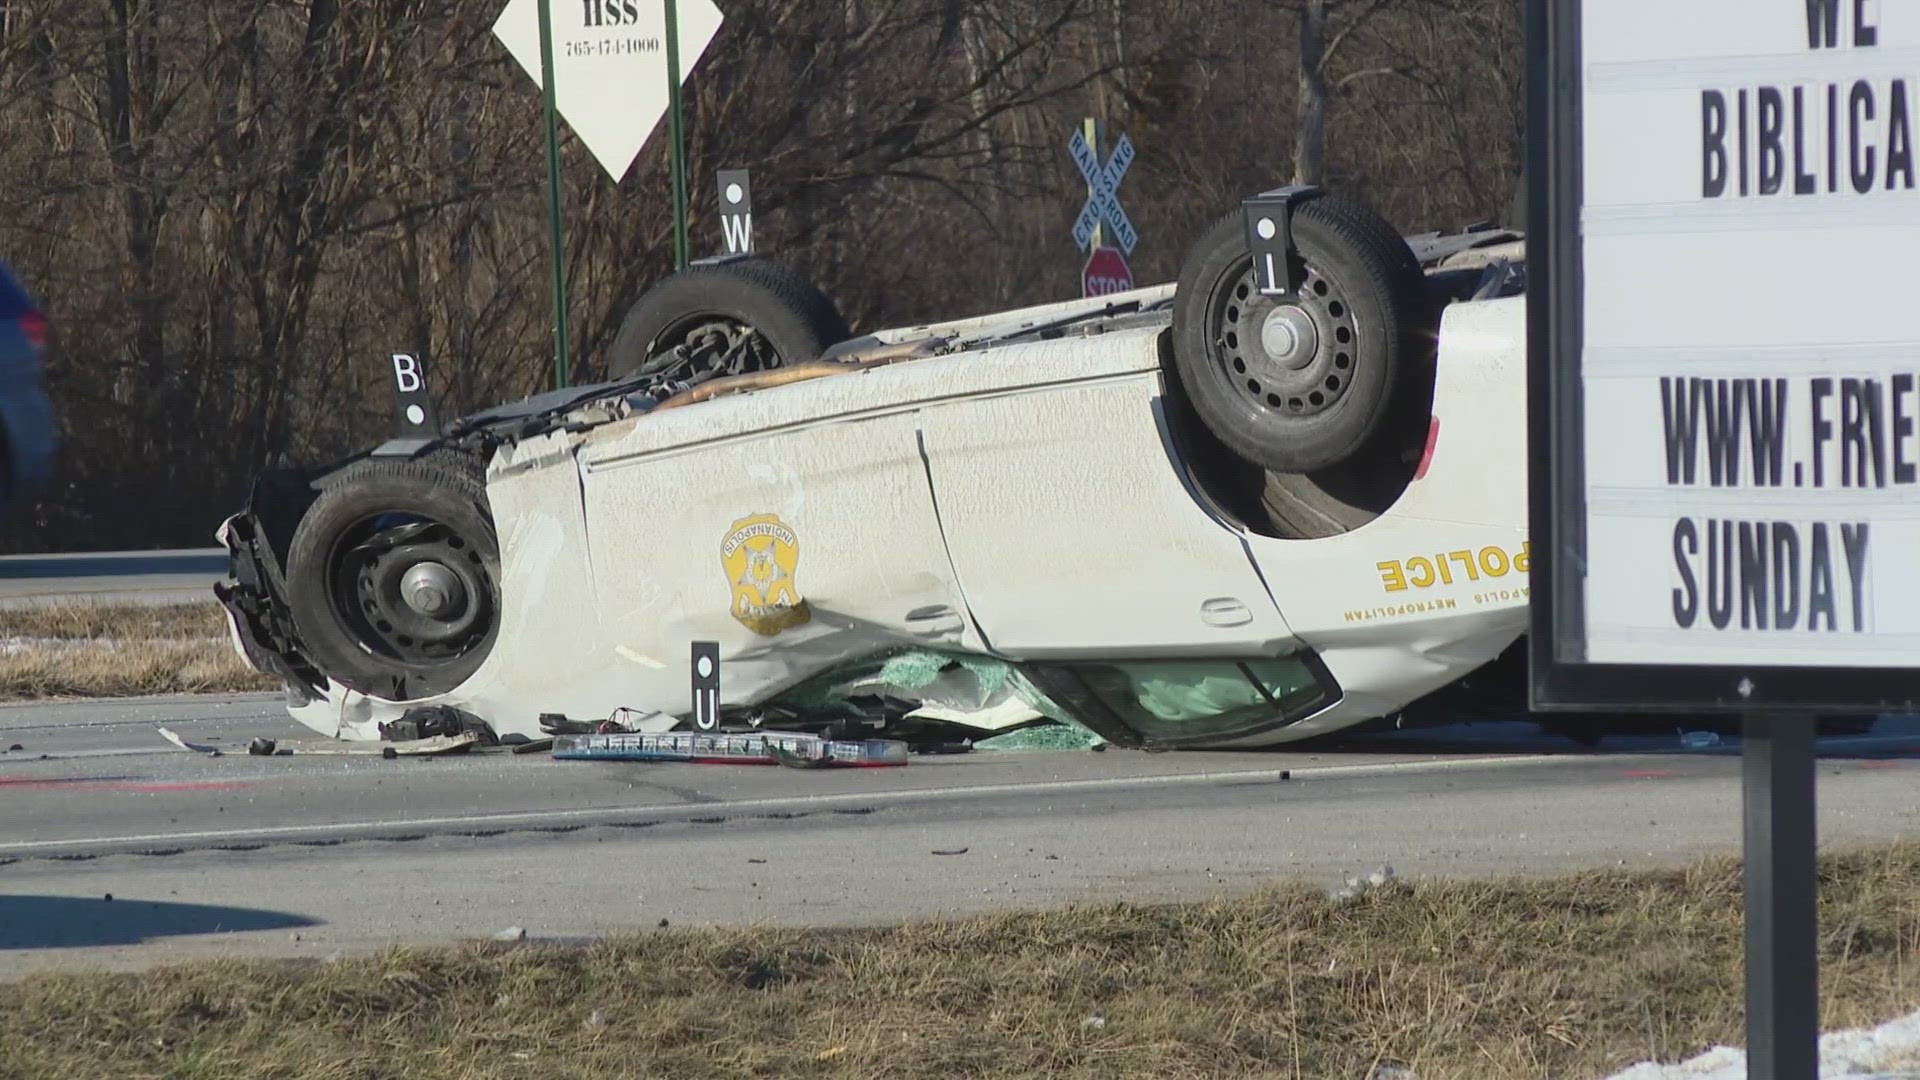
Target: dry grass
(82, 621)
(1571, 978)
(102, 650)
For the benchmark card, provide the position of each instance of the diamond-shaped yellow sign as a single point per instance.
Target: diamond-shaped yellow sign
(611, 60)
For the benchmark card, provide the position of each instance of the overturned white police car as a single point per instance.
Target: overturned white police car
(1268, 501)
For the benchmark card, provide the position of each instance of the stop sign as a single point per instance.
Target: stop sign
(1106, 272)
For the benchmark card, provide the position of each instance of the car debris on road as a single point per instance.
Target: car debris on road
(199, 748)
(430, 746)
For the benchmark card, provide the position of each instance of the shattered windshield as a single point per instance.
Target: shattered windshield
(1179, 700)
(1127, 702)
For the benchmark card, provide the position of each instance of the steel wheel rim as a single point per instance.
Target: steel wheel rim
(374, 569)
(1318, 321)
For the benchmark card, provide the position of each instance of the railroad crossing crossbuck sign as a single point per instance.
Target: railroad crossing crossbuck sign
(1102, 183)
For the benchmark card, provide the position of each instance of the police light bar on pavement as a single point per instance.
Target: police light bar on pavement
(758, 748)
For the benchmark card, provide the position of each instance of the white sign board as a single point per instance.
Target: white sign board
(610, 58)
(1749, 332)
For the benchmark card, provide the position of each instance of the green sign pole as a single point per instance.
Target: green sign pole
(677, 132)
(560, 375)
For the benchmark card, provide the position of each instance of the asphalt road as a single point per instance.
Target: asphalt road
(311, 855)
(128, 577)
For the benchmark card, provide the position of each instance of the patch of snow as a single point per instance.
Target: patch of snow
(1354, 887)
(1888, 1052)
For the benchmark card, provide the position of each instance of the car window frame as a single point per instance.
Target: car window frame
(1064, 683)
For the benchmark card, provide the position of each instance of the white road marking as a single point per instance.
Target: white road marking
(28, 756)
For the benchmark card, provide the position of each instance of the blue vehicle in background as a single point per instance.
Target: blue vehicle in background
(26, 413)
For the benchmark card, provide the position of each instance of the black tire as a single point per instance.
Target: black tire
(1305, 506)
(1332, 502)
(1323, 405)
(349, 614)
(793, 315)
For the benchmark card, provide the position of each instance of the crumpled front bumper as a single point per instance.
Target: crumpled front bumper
(254, 592)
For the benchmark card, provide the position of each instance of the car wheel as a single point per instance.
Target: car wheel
(1302, 383)
(393, 575)
(716, 306)
(1336, 501)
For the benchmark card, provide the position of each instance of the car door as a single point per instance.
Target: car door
(794, 527)
(1071, 529)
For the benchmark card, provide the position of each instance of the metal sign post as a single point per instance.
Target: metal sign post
(1094, 132)
(548, 98)
(678, 135)
(1777, 795)
(1722, 485)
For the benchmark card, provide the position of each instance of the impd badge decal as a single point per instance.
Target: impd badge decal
(761, 555)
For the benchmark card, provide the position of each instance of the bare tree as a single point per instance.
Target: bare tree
(1325, 28)
(236, 208)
